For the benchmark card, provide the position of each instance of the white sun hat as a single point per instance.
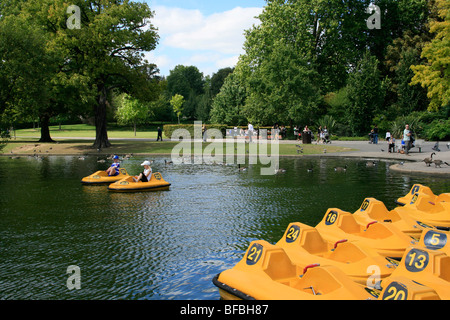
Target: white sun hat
(146, 163)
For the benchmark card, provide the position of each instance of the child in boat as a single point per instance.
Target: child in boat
(145, 176)
(114, 169)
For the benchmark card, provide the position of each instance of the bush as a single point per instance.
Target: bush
(438, 130)
(171, 128)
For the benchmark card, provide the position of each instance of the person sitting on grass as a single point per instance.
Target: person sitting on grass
(145, 176)
(115, 167)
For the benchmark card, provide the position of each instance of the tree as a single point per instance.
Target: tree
(131, 111)
(435, 75)
(189, 82)
(177, 102)
(228, 105)
(365, 93)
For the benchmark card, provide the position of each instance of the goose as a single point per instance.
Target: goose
(339, 169)
(429, 161)
(310, 170)
(168, 162)
(439, 163)
(371, 164)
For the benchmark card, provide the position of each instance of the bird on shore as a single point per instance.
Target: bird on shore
(429, 161)
(340, 169)
(439, 163)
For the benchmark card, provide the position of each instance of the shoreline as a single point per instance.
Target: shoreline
(408, 164)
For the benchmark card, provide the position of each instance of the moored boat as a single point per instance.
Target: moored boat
(375, 210)
(382, 237)
(305, 246)
(267, 273)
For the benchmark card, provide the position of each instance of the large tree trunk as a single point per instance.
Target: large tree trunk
(45, 130)
(101, 133)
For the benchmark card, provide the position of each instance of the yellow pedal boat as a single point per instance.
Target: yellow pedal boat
(402, 288)
(375, 210)
(384, 238)
(101, 177)
(436, 240)
(305, 246)
(423, 208)
(267, 273)
(426, 267)
(418, 188)
(156, 183)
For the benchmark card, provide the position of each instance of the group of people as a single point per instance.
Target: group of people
(323, 136)
(407, 140)
(145, 176)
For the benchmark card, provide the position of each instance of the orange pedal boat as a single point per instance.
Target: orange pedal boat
(426, 267)
(418, 188)
(425, 209)
(384, 238)
(305, 246)
(375, 210)
(267, 273)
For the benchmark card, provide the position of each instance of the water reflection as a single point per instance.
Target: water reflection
(163, 245)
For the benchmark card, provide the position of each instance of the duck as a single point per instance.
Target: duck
(241, 168)
(311, 170)
(280, 170)
(340, 169)
(371, 164)
(168, 162)
(429, 161)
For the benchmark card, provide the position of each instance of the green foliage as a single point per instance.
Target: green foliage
(177, 102)
(365, 93)
(170, 129)
(438, 130)
(131, 111)
(435, 75)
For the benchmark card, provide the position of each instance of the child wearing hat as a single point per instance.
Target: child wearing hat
(115, 167)
(145, 176)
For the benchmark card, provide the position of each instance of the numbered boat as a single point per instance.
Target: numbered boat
(156, 183)
(384, 238)
(436, 240)
(426, 267)
(267, 273)
(402, 288)
(102, 178)
(418, 188)
(305, 246)
(375, 210)
(423, 208)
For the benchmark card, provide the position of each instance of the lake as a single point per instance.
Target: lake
(165, 245)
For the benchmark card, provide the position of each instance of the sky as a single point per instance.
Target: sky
(201, 33)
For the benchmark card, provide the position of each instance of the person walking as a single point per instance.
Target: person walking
(159, 134)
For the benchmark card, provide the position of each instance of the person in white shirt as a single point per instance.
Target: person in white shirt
(250, 132)
(145, 176)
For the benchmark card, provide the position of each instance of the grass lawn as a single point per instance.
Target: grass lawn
(86, 131)
(121, 147)
(68, 144)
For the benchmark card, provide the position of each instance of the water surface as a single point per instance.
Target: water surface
(163, 245)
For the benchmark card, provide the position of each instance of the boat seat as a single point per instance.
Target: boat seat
(313, 242)
(348, 224)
